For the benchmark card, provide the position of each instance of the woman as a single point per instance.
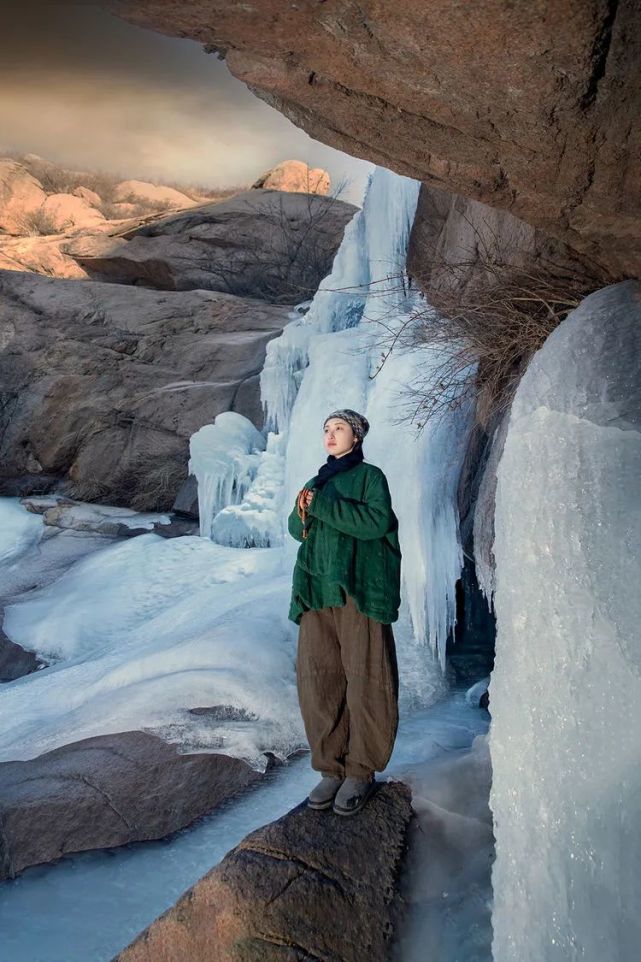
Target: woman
(345, 594)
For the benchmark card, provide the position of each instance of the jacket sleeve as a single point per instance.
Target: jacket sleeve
(295, 525)
(368, 519)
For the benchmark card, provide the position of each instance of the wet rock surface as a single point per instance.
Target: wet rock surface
(105, 791)
(309, 886)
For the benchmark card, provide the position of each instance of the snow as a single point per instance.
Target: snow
(146, 629)
(565, 693)
(20, 529)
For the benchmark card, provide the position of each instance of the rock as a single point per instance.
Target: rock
(141, 192)
(105, 791)
(89, 196)
(549, 132)
(452, 238)
(20, 195)
(104, 385)
(15, 661)
(40, 504)
(186, 502)
(295, 175)
(101, 519)
(39, 254)
(177, 528)
(309, 886)
(66, 211)
(267, 244)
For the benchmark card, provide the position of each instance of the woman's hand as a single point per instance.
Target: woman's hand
(304, 498)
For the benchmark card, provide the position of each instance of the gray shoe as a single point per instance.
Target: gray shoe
(322, 795)
(352, 795)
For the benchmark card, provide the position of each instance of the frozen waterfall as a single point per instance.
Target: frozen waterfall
(565, 694)
(327, 358)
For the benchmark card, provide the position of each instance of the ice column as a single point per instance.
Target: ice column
(224, 459)
(565, 694)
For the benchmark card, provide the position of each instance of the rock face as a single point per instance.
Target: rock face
(452, 236)
(309, 886)
(106, 791)
(529, 108)
(42, 255)
(269, 244)
(295, 175)
(103, 384)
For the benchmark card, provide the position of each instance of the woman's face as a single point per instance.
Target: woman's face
(338, 437)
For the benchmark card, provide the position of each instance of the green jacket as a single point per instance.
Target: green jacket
(351, 546)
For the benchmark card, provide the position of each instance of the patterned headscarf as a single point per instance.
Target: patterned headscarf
(360, 426)
(358, 422)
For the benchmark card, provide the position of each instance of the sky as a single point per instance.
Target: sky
(84, 89)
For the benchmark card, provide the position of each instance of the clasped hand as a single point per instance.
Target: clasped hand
(304, 498)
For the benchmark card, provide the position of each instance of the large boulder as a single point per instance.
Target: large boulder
(103, 385)
(21, 195)
(105, 791)
(294, 175)
(309, 886)
(65, 211)
(268, 244)
(40, 254)
(532, 108)
(90, 196)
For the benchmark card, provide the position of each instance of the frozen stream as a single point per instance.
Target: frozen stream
(87, 907)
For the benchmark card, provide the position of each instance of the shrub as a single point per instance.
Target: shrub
(487, 316)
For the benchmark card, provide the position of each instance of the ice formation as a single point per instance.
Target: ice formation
(565, 693)
(223, 457)
(20, 529)
(329, 359)
(141, 631)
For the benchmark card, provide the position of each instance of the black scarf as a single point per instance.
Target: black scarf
(333, 465)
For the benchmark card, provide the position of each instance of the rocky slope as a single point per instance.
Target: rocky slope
(53, 221)
(268, 244)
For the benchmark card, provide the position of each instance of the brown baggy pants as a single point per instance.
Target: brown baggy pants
(347, 677)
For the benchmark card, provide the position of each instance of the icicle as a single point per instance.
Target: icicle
(224, 459)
